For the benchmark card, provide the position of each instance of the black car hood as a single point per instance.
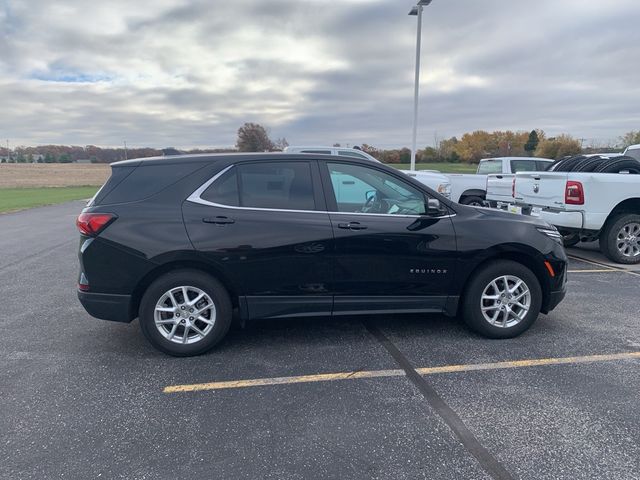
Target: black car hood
(492, 212)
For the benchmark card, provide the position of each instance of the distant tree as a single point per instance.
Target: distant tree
(48, 158)
(253, 137)
(532, 143)
(630, 138)
(337, 145)
(281, 144)
(558, 147)
(64, 158)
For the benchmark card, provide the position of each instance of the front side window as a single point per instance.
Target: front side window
(487, 167)
(274, 185)
(634, 153)
(360, 189)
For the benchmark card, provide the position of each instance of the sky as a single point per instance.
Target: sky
(163, 73)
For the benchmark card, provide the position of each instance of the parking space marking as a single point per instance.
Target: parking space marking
(601, 270)
(359, 374)
(598, 264)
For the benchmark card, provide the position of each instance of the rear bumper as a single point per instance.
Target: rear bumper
(563, 219)
(116, 308)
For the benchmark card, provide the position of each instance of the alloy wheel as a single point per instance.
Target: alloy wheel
(628, 240)
(185, 315)
(505, 301)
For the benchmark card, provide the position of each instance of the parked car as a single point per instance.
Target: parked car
(434, 180)
(471, 189)
(180, 242)
(587, 206)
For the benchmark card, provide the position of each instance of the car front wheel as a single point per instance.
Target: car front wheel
(185, 313)
(502, 300)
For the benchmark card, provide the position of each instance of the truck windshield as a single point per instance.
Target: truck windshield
(489, 166)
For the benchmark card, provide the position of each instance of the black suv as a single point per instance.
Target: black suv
(182, 242)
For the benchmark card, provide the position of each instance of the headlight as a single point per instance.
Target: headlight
(551, 232)
(444, 189)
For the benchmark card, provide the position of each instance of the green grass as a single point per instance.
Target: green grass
(441, 167)
(12, 199)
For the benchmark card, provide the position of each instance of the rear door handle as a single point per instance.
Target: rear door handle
(352, 226)
(219, 220)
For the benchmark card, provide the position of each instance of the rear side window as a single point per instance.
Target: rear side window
(490, 166)
(276, 185)
(542, 166)
(523, 166)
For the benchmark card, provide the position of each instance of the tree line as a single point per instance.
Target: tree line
(253, 137)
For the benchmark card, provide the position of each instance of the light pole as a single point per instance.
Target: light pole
(417, 10)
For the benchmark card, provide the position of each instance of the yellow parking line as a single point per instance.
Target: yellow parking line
(327, 377)
(601, 270)
(615, 269)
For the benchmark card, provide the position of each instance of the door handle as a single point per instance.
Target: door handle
(219, 220)
(352, 226)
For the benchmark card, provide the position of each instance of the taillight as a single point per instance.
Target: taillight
(91, 224)
(574, 193)
(513, 187)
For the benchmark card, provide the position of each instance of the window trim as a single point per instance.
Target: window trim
(195, 197)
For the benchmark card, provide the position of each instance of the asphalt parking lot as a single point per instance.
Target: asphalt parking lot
(400, 397)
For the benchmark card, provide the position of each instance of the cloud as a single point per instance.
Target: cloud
(166, 72)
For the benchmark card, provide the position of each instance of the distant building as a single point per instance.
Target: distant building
(82, 160)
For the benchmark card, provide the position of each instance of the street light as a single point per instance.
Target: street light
(417, 10)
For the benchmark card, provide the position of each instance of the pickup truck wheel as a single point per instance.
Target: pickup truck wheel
(185, 313)
(502, 300)
(620, 239)
(570, 239)
(472, 201)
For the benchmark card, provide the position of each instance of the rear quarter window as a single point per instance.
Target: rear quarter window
(490, 166)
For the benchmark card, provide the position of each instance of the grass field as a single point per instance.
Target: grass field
(442, 167)
(12, 199)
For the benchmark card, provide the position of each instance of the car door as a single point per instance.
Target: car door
(390, 254)
(265, 226)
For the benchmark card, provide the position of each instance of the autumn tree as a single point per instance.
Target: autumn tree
(253, 137)
(630, 138)
(558, 147)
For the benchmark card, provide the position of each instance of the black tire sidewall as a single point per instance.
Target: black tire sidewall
(474, 198)
(191, 278)
(608, 239)
(472, 313)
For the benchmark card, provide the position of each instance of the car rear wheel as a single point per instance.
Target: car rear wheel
(620, 239)
(502, 300)
(185, 313)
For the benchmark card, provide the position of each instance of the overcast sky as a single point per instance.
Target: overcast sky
(177, 73)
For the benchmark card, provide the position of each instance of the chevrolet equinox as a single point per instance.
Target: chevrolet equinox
(183, 242)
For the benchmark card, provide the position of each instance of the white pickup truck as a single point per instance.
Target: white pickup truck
(470, 189)
(586, 206)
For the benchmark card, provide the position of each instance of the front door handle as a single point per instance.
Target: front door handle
(352, 226)
(220, 220)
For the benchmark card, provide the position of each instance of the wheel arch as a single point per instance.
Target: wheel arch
(186, 263)
(474, 192)
(630, 205)
(522, 254)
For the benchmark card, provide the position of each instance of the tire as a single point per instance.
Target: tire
(570, 239)
(614, 239)
(568, 164)
(481, 282)
(619, 164)
(214, 299)
(557, 164)
(589, 164)
(473, 201)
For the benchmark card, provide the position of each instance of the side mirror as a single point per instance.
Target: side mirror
(435, 208)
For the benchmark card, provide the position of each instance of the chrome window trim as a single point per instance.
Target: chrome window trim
(195, 197)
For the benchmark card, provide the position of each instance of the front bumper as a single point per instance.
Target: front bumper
(116, 308)
(554, 300)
